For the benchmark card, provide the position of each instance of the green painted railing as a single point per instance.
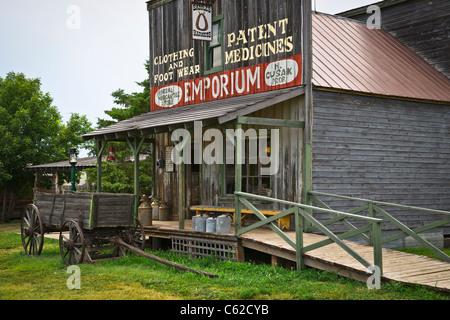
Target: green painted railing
(302, 213)
(373, 208)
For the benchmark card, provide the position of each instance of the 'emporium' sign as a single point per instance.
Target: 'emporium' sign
(201, 21)
(253, 79)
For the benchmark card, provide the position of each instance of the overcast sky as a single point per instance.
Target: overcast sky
(83, 50)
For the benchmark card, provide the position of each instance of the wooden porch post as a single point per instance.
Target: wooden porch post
(135, 147)
(307, 80)
(237, 175)
(100, 147)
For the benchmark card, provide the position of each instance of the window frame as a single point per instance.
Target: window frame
(208, 69)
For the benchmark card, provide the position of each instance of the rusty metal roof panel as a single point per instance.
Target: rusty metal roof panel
(349, 56)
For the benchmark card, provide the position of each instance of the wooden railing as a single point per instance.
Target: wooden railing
(373, 208)
(302, 214)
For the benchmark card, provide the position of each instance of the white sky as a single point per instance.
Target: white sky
(80, 68)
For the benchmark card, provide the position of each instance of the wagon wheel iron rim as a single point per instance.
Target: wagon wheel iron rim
(73, 245)
(136, 235)
(32, 230)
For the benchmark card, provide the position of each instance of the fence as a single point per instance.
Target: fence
(374, 207)
(304, 213)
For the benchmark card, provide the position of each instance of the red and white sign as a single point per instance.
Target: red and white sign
(248, 80)
(201, 21)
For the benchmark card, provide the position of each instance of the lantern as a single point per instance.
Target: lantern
(111, 154)
(73, 156)
(73, 161)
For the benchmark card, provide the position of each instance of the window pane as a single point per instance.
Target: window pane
(215, 37)
(217, 57)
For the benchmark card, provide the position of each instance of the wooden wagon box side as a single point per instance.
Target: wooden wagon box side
(92, 210)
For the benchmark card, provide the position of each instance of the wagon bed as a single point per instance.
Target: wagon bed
(91, 210)
(88, 223)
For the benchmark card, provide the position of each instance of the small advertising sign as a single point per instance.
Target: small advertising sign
(201, 21)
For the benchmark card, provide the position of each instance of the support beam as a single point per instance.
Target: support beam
(237, 175)
(307, 80)
(271, 122)
(135, 146)
(100, 148)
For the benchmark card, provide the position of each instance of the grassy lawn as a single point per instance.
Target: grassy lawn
(133, 278)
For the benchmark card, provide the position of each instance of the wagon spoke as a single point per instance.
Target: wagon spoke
(32, 230)
(72, 248)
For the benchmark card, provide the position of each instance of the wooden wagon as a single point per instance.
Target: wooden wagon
(87, 224)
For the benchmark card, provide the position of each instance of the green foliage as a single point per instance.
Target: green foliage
(132, 104)
(117, 176)
(32, 131)
(28, 126)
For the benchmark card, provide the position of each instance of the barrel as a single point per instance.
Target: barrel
(163, 212)
(211, 225)
(223, 224)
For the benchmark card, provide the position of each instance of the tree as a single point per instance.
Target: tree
(31, 132)
(132, 104)
(118, 176)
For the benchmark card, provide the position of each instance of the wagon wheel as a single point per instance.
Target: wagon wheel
(135, 235)
(32, 230)
(72, 246)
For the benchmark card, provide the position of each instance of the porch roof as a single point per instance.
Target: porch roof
(64, 166)
(210, 113)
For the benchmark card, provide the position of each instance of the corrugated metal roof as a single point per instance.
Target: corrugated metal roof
(213, 112)
(60, 166)
(347, 55)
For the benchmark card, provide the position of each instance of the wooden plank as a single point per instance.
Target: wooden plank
(270, 122)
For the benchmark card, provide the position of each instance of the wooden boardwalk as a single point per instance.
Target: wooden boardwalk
(397, 266)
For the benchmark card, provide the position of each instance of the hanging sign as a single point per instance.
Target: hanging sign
(201, 21)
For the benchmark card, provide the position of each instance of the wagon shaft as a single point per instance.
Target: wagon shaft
(142, 253)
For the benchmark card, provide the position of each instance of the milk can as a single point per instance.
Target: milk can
(223, 224)
(163, 212)
(211, 224)
(155, 209)
(201, 223)
(194, 222)
(144, 211)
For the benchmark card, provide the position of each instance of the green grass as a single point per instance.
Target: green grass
(132, 278)
(426, 252)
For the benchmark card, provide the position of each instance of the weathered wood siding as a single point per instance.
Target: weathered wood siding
(382, 149)
(254, 33)
(286, 183)
(166, 182)
(424, 26)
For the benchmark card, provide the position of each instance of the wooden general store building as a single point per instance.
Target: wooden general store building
(346, 110)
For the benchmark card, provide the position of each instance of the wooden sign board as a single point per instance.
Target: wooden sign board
(260, 43)
(201, 20)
